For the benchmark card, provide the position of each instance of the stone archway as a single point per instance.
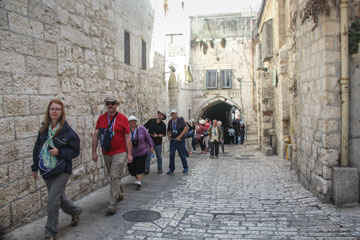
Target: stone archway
(219, 108)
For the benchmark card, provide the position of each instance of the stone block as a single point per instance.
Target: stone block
(75, 36)
(38, 104)
(25, 206)
(26, 126)
(328, 126)
(44, 49)
(5, 217)
(89, 56)
(48, 85)
(16, 170)
(76, 21)
(322, 185)
(3, 19)
(66, 68)
(19, 6)
(77, 84)
(77, 53)
(12, 62)
(41, 12)
(26, 84)
(346, 185)
(16, 42)
(15, 105)
(329, 157)
(327, 172)
(41, 66)
(331, 140)
(7, 150)
(19, 24)
(330, 29)
(328, 112)
(267, 151)
(4, 173)
(24, 147)
(6, 83)
(37, 29)
(51, 33)
(62, 16)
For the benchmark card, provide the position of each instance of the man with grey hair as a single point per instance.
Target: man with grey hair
(120, 152)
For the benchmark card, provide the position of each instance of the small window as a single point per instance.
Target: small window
(211, 79)
(226, 78)
(127, 47)
(143, 54)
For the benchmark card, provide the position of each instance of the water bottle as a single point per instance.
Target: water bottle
(152, 155)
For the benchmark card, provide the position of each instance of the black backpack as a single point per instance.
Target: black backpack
(105, 136)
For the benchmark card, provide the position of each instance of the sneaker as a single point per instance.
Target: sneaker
(111, 211)
(170, 172)
(159, 171)
(138, 186)
(212, 157)
(76, 218)
(186, 170)
(136, 182)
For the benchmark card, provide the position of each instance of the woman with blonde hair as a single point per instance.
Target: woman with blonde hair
(55, 147)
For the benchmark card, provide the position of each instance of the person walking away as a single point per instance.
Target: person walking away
(231, 133)
(176, 130)
(223, 138)
(215, 135)
(157, 130)
(121, 150)
(236, 126)
(200, 133)
(242, 131)
(55, 147)
(193, 139)
(206, 136)
(189, 136)
(141, 143)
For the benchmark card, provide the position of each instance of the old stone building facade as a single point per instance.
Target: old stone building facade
(298, 72)
(80, 52)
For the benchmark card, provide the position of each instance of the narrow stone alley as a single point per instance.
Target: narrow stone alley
(241, 195)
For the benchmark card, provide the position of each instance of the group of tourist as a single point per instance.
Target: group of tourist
(124, 144)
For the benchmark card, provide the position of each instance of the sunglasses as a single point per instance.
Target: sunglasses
(110, 103)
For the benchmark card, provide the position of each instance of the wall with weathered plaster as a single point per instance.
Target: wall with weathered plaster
(71, 50)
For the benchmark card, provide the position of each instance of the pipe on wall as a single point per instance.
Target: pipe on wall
(344, 82)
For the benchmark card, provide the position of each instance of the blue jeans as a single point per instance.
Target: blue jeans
(180, 147)
(158, 152)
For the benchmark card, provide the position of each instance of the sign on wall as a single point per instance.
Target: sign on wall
(176, 50)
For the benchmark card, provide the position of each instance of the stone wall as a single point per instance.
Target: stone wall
(235, 55)
(71, 50)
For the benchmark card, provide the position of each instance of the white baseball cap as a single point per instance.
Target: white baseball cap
(173, 110)
(131, 118)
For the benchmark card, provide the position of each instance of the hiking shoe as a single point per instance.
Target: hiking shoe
(76, 218)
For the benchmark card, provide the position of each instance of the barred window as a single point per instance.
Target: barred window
(143, 54)
(211, 79)
(127, 47)
(226, 78)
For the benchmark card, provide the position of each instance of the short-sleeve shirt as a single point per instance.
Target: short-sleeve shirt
(176, 127)
(121, 127)
(154, 127)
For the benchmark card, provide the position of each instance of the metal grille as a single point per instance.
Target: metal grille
(127, 48)
(141, 216)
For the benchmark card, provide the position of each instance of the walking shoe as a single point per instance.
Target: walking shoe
(159, 171)
(147, 171)
(136, 182)
(170, 172)
(110, 211)
(186, 170)
(76, 218)
(212, 157)
(138, 186)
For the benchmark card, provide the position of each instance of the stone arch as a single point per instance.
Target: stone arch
(212, 102)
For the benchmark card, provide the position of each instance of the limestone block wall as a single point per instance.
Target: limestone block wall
(73, 50)
(354, 141)
(317, 106)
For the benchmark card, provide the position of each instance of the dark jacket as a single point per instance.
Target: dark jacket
(66, 141)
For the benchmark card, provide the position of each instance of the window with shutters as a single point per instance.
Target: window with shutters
(143, 54)
(226, 78)
(127, 47)
(211, 79)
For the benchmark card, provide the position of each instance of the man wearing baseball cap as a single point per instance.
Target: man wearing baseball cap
(177, 128)
(121, 149)
(157, 130)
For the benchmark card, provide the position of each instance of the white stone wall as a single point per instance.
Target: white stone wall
(71, 50)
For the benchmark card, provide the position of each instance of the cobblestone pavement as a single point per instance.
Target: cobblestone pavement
(241, 195)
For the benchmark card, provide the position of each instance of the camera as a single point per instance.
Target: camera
(135, 143)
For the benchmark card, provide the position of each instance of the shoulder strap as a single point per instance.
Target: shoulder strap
(112, 120)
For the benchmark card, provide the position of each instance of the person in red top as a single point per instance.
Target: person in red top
(120, 152)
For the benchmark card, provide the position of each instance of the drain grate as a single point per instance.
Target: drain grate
(141, 216)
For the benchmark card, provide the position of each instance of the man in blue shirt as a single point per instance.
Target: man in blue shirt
(177, 128)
